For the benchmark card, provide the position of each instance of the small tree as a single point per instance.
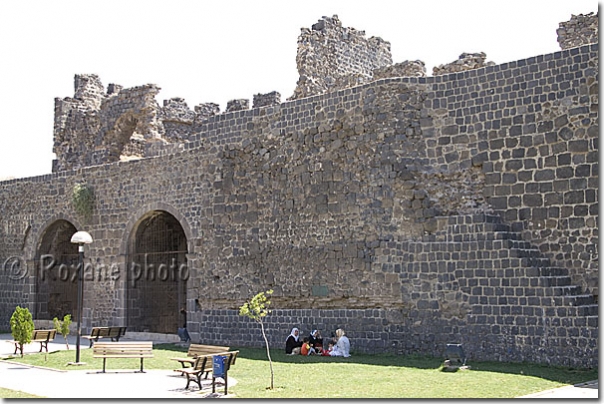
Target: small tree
(63, 327)
(22, 326)
(256, 309)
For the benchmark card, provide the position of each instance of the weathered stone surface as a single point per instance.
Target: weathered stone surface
(238, 105)
(94, 127)
(328, 51)
(408, 68)
(466, 61)
(266, 100)
(207, 110)
(579, 30)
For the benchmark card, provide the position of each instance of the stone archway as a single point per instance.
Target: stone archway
(56, 275)
(157, 274)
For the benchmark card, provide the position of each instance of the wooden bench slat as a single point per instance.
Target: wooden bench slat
(123, 350)
(199, 349)
(41, 336)
(196, 350)
(113, 332)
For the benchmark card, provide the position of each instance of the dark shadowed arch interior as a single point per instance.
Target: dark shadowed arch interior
(157, 274)
(56, 271)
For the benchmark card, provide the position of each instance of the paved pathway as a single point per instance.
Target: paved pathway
(54, 383)
(164, 384)
(582, 390)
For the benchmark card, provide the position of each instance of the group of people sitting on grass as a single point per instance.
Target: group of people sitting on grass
(339, 345)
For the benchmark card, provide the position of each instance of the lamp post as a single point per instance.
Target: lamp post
(80, 238)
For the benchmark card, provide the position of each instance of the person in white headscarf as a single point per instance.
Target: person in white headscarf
(342, 346)
(315, 340)
(293, 342)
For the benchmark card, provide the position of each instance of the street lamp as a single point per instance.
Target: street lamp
(80, 238)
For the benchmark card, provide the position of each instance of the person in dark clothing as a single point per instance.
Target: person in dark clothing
(315, 340)
(293, 342)
(184, 315)
(182, 332)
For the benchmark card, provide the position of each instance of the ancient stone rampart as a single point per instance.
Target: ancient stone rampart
(410, 211)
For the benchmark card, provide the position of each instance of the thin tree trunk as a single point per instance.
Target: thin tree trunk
(268, 353)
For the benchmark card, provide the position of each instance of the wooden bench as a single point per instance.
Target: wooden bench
(138, 349)
(196, 350)
(203, 364)
(41, 336)
(105, 332)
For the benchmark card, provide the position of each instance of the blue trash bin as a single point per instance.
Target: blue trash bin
(218, 365)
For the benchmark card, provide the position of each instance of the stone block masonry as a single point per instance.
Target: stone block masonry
(410, 211)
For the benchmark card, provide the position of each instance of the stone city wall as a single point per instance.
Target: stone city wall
(95, 127)
(412, 212)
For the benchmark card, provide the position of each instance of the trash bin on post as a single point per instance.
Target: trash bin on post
(219, 370)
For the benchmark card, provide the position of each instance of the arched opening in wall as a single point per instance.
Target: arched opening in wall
(157, 275)
(56, 277)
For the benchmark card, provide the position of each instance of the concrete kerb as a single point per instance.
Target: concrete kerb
(54, 383)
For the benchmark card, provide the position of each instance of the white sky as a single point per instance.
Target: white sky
(219, 50)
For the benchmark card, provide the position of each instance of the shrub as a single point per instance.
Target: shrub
(63, 327)
(22, 326)
(82, 198)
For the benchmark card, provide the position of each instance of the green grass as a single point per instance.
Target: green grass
(360, 376)
(8, 393)
(390, 376)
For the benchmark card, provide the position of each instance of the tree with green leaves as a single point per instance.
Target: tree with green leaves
(257, 309)
(22, 326)
(63, 327)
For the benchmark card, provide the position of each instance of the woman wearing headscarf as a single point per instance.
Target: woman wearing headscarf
(342, 346)
(315, 340)
(293, 342)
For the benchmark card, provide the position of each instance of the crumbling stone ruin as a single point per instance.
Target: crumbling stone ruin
(328, 52)
(266, 100)
(411, 210)
(579, 30)
(408, 68)
(466, 61)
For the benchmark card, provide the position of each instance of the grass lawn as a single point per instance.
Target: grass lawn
(360, 376)
(8, 393)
